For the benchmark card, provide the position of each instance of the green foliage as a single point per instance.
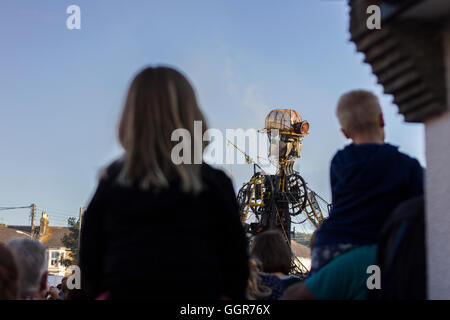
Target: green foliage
(70, 241)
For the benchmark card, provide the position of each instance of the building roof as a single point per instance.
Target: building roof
(53, 238)
(7, 234)
(300, 250)
(406, 54)
(26, 229)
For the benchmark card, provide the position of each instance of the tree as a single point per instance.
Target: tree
(70, 241)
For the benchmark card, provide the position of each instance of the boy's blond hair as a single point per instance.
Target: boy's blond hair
(359, 112)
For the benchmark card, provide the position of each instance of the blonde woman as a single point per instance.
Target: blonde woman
(156, 229)
(259, 283)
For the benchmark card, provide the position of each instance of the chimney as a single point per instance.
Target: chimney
(44, 224)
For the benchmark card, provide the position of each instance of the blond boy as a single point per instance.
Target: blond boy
(369, 179)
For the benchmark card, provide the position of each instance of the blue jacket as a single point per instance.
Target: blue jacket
(368, 182)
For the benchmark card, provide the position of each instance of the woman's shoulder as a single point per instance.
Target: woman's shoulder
(289, 280)
(269, 279)
(213, 178)
(273, 282)
(111, 171)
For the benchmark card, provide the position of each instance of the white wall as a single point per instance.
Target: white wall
(437, 182)
(60, 269)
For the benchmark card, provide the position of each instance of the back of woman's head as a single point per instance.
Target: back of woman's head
(271, 249)
(9, 275)
(160, 100)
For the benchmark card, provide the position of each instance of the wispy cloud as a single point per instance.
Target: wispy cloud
(249, 95)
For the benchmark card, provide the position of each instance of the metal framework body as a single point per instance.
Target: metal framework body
(276, 201)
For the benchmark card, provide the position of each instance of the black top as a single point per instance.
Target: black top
(402, 254)
(368, 182)
(164, 245)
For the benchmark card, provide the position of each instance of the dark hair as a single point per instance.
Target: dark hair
(9, 275)
(271, 249)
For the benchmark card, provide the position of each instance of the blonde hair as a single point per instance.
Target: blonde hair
(254, 289)
(159, 101)
(358, 112)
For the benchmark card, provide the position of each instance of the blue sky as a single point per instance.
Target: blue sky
(61, 91)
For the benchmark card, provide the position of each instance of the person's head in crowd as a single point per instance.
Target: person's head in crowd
(360, 116)
(64, 290)
(32, 262)
(53, 293)
(159, 112)
(254, 290)
(9, 275)
(270, 247)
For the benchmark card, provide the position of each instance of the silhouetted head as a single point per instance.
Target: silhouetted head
(161, 100)
(9, 275)
(32, 264)
(360, 116)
